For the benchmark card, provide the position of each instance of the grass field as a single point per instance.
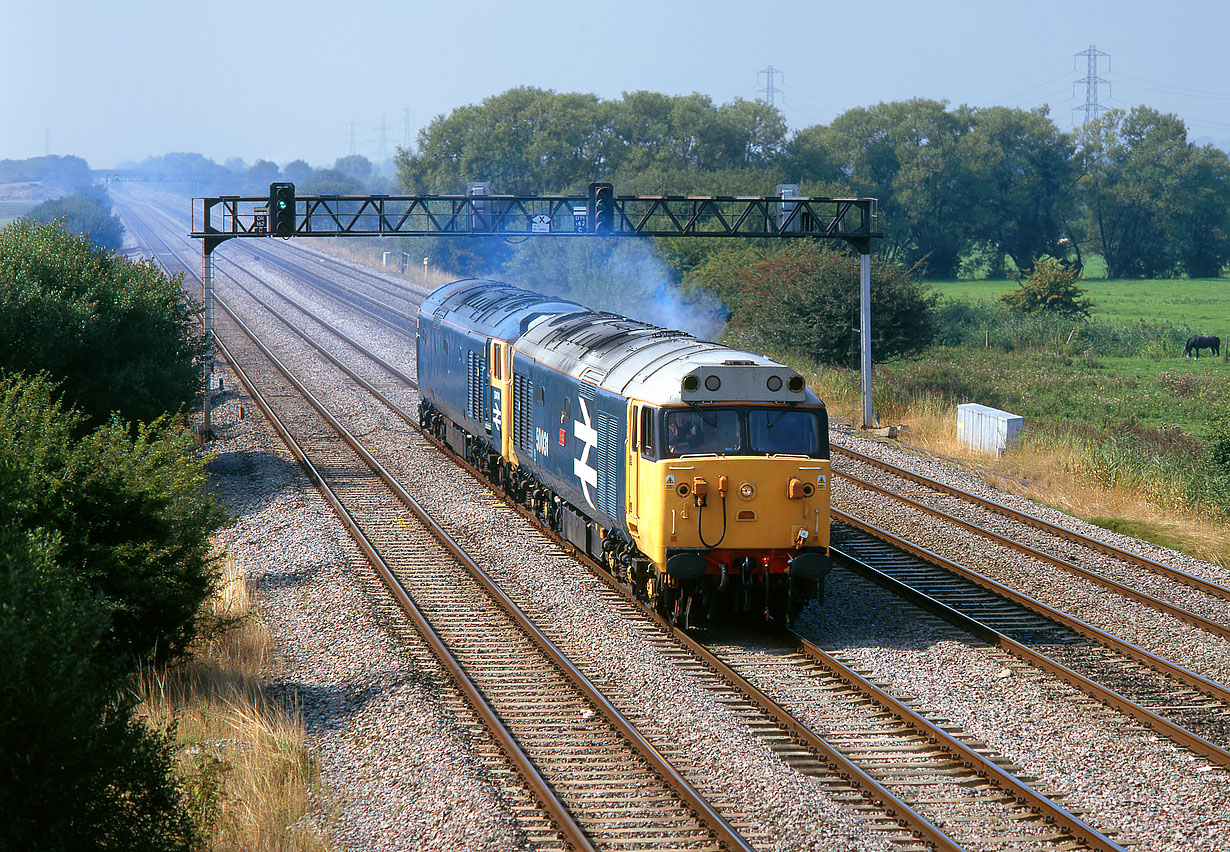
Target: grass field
(1202, 304)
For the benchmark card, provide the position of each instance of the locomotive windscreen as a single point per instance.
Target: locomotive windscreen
(743, 431)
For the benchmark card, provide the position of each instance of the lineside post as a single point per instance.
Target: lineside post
(207, 298)
(864, 275)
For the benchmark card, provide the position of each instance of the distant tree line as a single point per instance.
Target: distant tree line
(350, 175)
(64, 173)
(957, 187)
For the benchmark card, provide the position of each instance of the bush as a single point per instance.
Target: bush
(127, 507)
(1050, 287)
(76, 770)
(117, 336)
(86, 213)
(805, 298)
(1219, 447)
(996, 326)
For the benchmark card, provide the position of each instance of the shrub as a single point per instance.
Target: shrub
(805, 298)
(76, 770)
(1050, 287)
(86, 213)
(118, 336)
(1219, 447)
(127, 507)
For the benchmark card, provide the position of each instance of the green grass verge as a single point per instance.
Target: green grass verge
(1158, 534)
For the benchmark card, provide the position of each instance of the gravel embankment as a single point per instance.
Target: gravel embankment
(405, 771)
(1117, 773)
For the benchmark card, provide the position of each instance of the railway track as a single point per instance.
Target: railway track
(599, 779)
(934, 492)
(1189, 709)
(564, 735)
(901, 756)
(931, 766)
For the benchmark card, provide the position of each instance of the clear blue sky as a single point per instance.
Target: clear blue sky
(125, 79)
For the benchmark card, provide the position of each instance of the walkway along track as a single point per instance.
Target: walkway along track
(613, 788)
(919, 750)
(1181, 705)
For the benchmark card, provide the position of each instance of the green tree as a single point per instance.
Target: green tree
(297, 172)
(908, 154)
(1198, 220)
(1021, 179)
(805, 298)
(1050, 287)
(1155, 204)
(69, 174)
(330, 182)
(529, 140)
(258, 178)
(119, 336)
(76, 770)
(356, 166)
(87, 213)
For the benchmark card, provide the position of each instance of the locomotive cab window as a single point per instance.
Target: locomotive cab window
(784, 431)
(702, 431)
(647, 438)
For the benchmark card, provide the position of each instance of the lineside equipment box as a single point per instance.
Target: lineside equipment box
(987, 429)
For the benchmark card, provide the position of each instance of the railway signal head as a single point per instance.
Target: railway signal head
(602, 208)
(282, 209)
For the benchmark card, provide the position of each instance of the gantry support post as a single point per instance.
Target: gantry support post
(864, 275)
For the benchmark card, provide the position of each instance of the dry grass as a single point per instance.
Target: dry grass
(242, 758)
(1044, 471)
(371, 255)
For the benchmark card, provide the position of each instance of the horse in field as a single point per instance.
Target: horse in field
(1202, 341)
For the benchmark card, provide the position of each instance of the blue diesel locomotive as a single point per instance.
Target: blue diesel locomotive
(697, 474)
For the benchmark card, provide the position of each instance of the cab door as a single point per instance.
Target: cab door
(632, 472)
(501, 395)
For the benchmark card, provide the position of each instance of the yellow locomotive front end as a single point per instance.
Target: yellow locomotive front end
(728, 499)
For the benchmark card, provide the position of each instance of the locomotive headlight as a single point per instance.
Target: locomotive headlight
(774, 383)
(795, 383)
(712, 383)
(691, 383)
(747, 491)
